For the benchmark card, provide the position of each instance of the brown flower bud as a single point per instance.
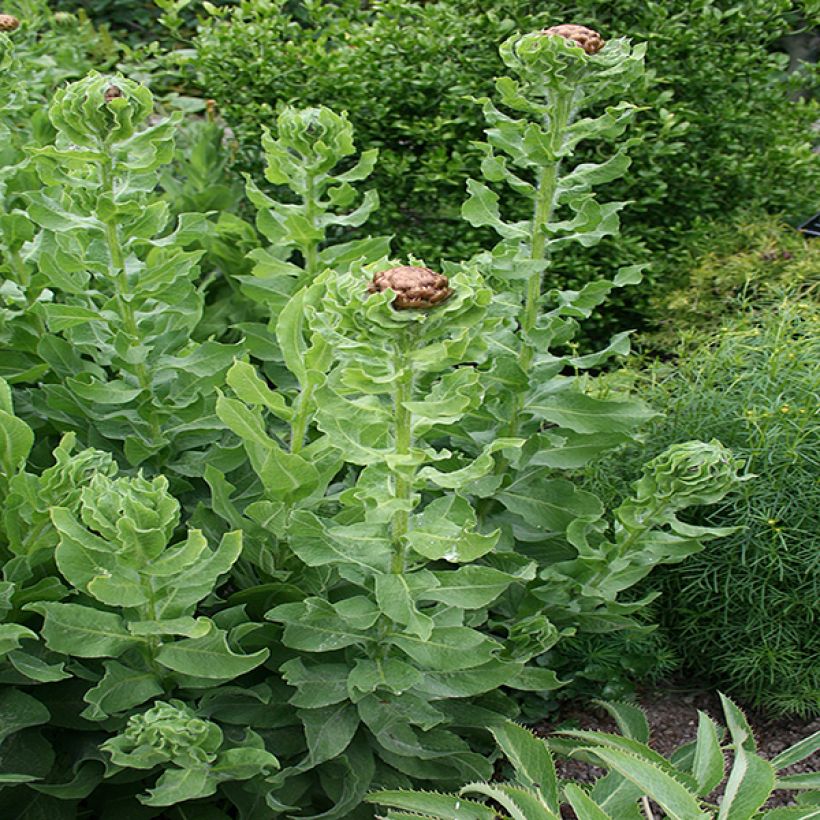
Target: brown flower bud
(589, 40)
(112, 92)
(415, 288)
(8, 22)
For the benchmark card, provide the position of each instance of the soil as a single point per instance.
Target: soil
(673, 721)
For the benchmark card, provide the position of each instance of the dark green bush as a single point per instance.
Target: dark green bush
(743, 614)
(722, 132)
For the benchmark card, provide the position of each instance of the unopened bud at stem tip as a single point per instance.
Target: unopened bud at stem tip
(589, 40)
(415, 288)
(8, 22)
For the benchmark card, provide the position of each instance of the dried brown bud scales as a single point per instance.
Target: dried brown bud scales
(415, 287)
(8, 22)
(112, 92)
(589, 40)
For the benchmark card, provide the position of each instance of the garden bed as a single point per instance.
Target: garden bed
(672, 712)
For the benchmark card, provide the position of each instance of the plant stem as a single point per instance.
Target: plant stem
(122, 288)
(310, 250)
(402, 392)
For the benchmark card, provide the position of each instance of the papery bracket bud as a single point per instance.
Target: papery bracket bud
(588, 39)
(415, 288)
(8, 22)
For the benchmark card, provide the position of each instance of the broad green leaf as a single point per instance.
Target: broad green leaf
(82, 631)
(364, 545)
(444, 530)
(549, 505)
(37, 669)
(396, 600)
(317, 684)
(809, 780)
(481, 209)
(329, 730)
(242, 763)
(708, 763)
(251, 388)
(531, 760)
(209, 657)
(468, 587)
(18, 711)
(678, 802)
(571, 450)
(389, 674)
(750, 783)
(178, 785)
(11, 635)
(448, 648)
(585, 414)
(16, 440)
(62, 317)
(433, 804)
(120, 689)
(314, 626)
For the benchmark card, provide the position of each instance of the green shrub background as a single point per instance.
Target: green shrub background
(743, 613)
(722, 134)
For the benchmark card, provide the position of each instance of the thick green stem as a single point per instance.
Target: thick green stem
(120, 280)
(310, 250)
(404, 474)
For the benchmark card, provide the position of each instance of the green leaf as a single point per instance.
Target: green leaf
(550, 505)
(314, 626)
(329, 731)
(37, 669)
(317, 684)
(585, 414)
(82, 631)
(389, 674)
(521, 804)
(178, 785)
(630, 719)
(16, 440)
(583, 805)
(448, 648)
(675, 799)
(481, 209)
(749, 785)
(739, 728)
(433, 804)
(243, 763)
(396, 600)
(531, 760)
(444, 530)
(469, 587)
(209, 657)
(708, 764)
(809, 780)
(794, 754)
(251, 388)
(363, 545)
(11, 635)
(121, 688)
(18, 711)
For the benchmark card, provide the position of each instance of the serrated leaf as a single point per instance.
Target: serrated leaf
(631, 719)
(531, 761)
(708, 763)
(432, 804)
(678, 802)
(583, 805)
(750, 783)
(794, 754)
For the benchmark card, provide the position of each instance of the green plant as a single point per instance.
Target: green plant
(680, 785)
(743, 614)
(391, 536)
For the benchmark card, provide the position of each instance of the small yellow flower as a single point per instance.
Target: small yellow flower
(784, 408)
